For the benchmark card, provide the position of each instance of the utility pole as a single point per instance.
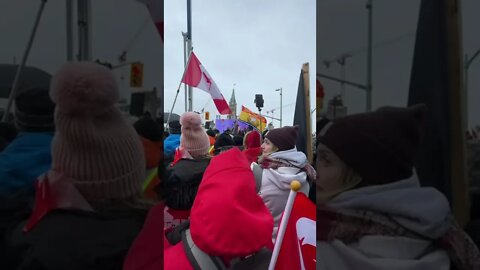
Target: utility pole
(84, 30)
(369, 56)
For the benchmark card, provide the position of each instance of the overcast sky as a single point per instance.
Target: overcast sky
(343, 28)
(259, 46)
(115, 25)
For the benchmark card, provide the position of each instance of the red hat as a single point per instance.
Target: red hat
(252, 139)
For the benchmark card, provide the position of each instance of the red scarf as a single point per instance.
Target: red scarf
(53, 190)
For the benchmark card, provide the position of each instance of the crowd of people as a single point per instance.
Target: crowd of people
(82, 187)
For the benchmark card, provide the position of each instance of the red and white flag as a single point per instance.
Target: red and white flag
(197, 76)
(298, 250)
(155, 7)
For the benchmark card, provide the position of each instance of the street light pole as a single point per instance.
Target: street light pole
(468, 62)
(281, 110)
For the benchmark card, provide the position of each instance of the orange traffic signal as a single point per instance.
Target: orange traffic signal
(136, 75)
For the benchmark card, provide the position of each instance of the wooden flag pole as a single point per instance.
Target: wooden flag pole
(458, 174)
(306, 80)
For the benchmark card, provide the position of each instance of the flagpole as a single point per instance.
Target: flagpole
(178, 89)
(294, 188)
(16, 81)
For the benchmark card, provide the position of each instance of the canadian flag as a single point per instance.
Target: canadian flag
(155, 7)
(197, 76)
(298, 250)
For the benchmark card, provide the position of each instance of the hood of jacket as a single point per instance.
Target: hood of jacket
(228, 217)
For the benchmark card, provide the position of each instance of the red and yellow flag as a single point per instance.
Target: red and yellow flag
(253, 119)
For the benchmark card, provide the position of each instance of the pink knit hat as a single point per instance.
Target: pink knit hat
(93, 144)
(193, 138)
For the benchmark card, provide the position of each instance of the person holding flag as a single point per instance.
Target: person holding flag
(279, 165)
(295, 244)
(230, 227)
(373, 213)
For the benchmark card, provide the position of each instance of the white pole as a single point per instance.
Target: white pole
(178, 89)
(24, 60)
(295, 187)
(185, 53)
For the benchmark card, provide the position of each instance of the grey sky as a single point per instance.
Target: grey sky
(114, 24)
(343, 28)
(258, 45)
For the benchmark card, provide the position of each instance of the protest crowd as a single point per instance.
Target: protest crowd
(83, 187)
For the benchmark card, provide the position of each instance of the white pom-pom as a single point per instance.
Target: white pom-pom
(190, 120)
(84, 88)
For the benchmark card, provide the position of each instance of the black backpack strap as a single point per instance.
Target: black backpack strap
(199, 259)
(175, 236)
(258, 260)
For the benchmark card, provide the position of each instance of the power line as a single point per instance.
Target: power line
(123, 55)
(383, 43)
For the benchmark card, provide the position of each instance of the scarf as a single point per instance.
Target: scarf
(275, 163)
(54, 190)
(349, 226)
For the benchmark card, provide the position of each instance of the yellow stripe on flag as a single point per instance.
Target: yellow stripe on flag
(252, 118)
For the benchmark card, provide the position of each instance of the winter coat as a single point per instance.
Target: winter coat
(420, 214)
(24, 159)
(153, 155)
(65, 232)
(146, 252)
(275, 186)
(171, 143)
(228, 218)
(76, 239)
(182, 181)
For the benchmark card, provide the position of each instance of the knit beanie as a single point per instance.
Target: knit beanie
(174, 127)
(93, 144)
(283, 138)
(34, 111)
(148, 128)
(252, 139)
(211, 133)
(223, 140)
(238, 140)
(193, 138)
(380, 146)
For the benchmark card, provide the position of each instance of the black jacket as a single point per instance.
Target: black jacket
(74, 239)
(182, 181)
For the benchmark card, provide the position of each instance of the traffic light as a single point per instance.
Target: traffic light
(136, 75)
(259, 101)
(207, 116)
